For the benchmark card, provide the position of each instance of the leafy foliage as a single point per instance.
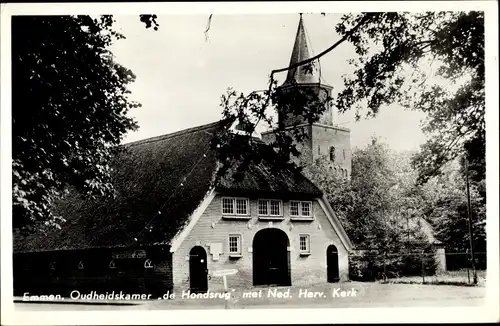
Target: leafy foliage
(149, 21)
(384, 192)
(238, 150)
(393, 49)
(445, 200)
(370, 203)
(379, 208)
(304, 103)
(69, 106)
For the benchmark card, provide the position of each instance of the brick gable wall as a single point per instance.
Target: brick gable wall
(213, 228)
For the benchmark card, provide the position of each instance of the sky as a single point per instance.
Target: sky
(182, 73)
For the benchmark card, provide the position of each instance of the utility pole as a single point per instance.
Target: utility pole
(470, 222)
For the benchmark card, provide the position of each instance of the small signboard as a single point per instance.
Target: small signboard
(224, 272)
(129, 254)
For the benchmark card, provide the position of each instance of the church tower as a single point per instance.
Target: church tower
(325, 140)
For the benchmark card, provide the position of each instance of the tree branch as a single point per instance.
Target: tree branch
(301, 63)
(208, 27)
(344, 38)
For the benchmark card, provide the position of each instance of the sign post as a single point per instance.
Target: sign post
(224, 277)
(224, 273)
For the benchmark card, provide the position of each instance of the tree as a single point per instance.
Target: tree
(445, 200)
(375, 207)
(336, 188)
(238, 151)
(378, 197)
(451, 41)
(392, 50)
(69, 106)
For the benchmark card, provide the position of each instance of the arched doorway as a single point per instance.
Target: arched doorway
(198, 272)
(332, 263)
(271, 259)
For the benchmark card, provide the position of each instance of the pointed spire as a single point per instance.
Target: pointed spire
(302, 74)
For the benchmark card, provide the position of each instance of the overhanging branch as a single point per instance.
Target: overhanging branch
(345, 37)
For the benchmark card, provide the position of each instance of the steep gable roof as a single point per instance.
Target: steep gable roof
(159, 182)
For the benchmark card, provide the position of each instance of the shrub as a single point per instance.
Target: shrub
(370, 266)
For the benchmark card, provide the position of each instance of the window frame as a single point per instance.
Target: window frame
(235, 214)
(301, 216)
(269, 216)
(298, 208)
(239, 243)
(307, 250)
(233, 201)
(332, 153)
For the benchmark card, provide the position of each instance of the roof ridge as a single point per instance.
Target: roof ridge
(173, 134)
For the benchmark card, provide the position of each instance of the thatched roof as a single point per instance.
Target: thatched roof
(158, 182)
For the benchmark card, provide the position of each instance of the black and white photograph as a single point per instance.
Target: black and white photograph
(249, 162)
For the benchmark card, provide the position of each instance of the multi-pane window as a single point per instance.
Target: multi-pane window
(301, 209)
(235, 244)
(228, 206)
(235, 206)
(275, 207)
(306, 209)
(294, 208)
(263, 207)
(304, 245)
(241, 206)
(270, 207)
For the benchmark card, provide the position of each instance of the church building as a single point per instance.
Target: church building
(168, 227)
(324, 139)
